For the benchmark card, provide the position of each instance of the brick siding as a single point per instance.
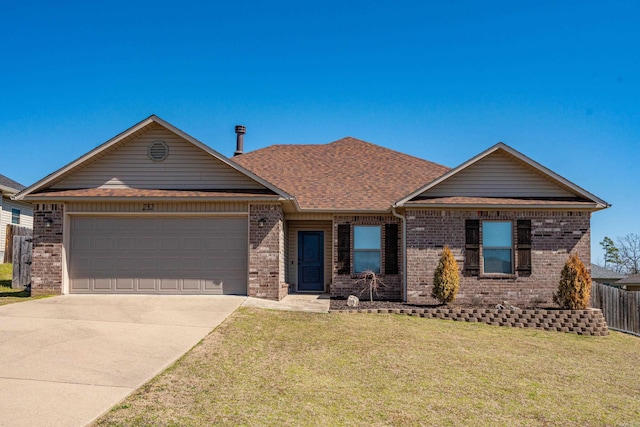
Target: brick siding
(555, 234)
(351, 284)
(266, 252)
(46, 266)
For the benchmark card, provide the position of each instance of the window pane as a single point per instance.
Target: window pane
(15, 216)
(497, 261)
(496, 234)
(366, 237)
(366, 260)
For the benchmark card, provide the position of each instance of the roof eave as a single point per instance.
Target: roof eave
(488, 206)
(347, 211)
(36, 198)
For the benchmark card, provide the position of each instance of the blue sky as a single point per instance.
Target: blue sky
(557, 80)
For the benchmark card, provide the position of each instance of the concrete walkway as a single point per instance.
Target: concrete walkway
(68, 359)
(313, 303)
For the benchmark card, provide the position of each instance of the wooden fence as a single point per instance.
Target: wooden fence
(621, 308)
(22, 249)
(13, 230)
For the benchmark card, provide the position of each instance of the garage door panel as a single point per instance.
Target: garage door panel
(191, 284)
(105, 225)
(126, 243)
(170, 244)
(169, 284)
(124, 284)
(147, 243)
(212, 285)
(101, 284)
(146, 284)
(156, 255)
(82, 284)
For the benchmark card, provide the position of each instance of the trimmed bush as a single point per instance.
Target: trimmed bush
(446, 279)
(575, 285)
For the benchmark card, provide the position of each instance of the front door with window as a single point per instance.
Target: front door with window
(311, 261)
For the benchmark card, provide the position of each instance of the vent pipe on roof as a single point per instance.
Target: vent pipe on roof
(240, 131)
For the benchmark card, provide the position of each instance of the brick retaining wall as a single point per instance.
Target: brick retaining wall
(581, 322)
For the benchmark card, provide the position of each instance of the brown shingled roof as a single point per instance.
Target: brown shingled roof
(348, 174)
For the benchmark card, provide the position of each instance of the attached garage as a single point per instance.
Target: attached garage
(158, 254)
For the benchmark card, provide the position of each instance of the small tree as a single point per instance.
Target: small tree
(372, 282)
(575, 285)
(611, 254)
(446, 279)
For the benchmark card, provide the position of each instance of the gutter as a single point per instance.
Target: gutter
(404, 251)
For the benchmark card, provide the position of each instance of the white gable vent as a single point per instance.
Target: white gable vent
(158, 151)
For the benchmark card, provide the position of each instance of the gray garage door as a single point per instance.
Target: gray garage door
(165, 255)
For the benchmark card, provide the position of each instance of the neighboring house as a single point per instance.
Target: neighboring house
(11, 211)
(153, 210)
(629, 283)
(605, 276)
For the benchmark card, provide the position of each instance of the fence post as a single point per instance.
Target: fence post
(22, 247)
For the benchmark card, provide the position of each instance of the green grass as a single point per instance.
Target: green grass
(288, 368)
(7, 294)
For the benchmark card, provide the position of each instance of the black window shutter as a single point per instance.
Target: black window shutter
(344, 248)
(472, 247)
(524, 247)
(391, 249)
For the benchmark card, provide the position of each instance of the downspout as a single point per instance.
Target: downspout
(404, 251)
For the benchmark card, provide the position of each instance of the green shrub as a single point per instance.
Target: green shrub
(575, 285)
(446, 279)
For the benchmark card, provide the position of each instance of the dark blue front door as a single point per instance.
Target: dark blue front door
(311, 260)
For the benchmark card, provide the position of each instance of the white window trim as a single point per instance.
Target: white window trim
(482, 247)
(13, 212)
(379, 250)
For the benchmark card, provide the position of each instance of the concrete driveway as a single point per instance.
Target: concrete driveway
(68, 359)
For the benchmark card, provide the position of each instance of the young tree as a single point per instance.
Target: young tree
(611, 254)
(629, 247)
(575, 285)
(446, 279)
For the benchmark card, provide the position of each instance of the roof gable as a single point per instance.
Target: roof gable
(124, 162)
(502, 173)
(9, 186)
(346, 175)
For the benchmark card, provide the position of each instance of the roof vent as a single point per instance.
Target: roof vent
(158, 151)
(240, 131)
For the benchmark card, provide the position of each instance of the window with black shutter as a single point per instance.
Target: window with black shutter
(472, 247)
(344, 249)
(391, 249)
(524, 247)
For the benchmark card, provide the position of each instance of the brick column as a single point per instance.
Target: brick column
(46, 266)
(266, 252)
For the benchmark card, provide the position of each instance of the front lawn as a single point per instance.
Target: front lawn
(8, 295)
(265, 367)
